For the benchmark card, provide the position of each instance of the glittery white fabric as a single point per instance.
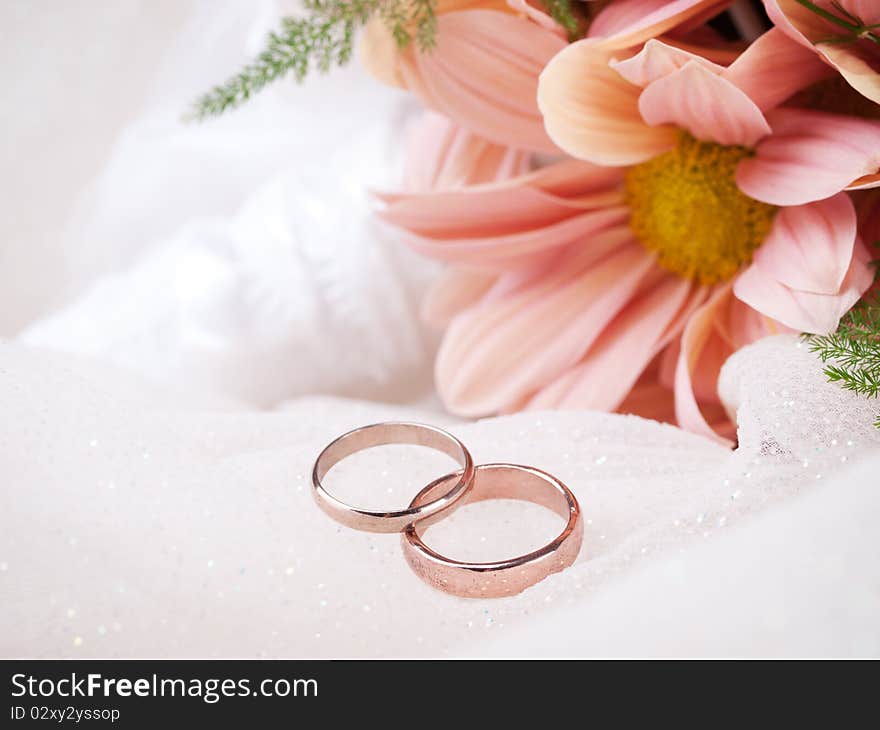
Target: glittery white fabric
(134, 523)
(230, 264)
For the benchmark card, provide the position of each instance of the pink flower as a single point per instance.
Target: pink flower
(483, 71)
(718, 218)
(440, 155)
(858, 59)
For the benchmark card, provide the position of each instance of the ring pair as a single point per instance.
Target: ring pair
(439, 498)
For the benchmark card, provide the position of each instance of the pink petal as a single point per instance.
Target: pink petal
(483, 72)
(379, 53)
(571, 179)
(799, 20)
(656, 60)
(810, 156)
(650, 398)
(443, 156)
(624, 349)
(782, 12)
(810, 246)
(867, 10)
(708, 106)
(539, 17)
(503, 247)
(774, 67)
(495, 355)
(578, 254)
(473, 214)
(865, 182)
(455, 290)
(800, 310)
(592, 113)
(714, 332)
(627, 23)
(510, 223)
(669, 358)
(568, 185)
(860, 71)
(558, 191)
(859, 65)
(697, 337)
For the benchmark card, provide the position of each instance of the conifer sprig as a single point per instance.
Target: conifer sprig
(852, 353)
(563, 13)
(325, 37)
(322, 38)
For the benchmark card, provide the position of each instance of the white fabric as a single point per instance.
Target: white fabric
(800, 581)
(238, 254)
(149, 507)
(140, 524)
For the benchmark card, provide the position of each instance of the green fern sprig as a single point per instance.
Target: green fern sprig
(402, 16)
(563, 13)
(324, 37)
(852, 353)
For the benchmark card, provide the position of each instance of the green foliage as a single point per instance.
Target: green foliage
(325, 35)
(851, 28)
(322, 38)
(400, 16)
(852, 353)
(562, 12)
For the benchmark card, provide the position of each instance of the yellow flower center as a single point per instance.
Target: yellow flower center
(687, 208)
